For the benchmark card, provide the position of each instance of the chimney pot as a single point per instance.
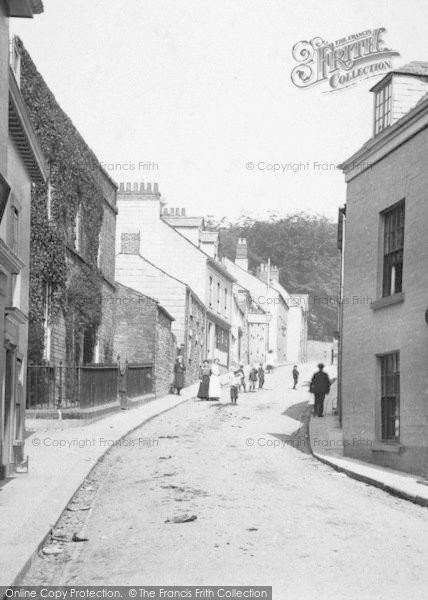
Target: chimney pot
(149, 187)
(128, 187)
(121, 187)
(156, 188)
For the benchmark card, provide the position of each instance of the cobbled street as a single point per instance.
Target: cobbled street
(267, 512)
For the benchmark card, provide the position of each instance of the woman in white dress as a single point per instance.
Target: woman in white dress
(214, 392)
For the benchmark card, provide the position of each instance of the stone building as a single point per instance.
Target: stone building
(175, 296)
(21, 164)
(143, 335)
(384, 337)
(141, 213)
(73, 231)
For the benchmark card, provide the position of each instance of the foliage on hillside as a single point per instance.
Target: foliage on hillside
(304, 249)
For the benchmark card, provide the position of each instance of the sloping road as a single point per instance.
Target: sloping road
(267, 513)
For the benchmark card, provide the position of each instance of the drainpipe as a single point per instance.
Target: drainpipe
(341, 246)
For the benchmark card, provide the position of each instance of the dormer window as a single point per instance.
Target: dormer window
(383, 108)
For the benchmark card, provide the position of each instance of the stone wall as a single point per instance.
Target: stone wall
(194, 348)
(143, 335)
(165, 354)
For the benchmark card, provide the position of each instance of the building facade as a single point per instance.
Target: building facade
(72, 238)
(384, 337)
(143, 335)
(141, 214)
(21, 165)
(175, 296)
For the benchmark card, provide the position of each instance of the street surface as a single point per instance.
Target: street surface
(265, 514)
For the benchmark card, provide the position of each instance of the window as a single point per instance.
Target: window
(15, 230)
(390, 396)
(218, 297)
(383, 102)
(393, 245)
(211, 291)
(225, 301)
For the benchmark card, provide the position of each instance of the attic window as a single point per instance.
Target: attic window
(383, 102)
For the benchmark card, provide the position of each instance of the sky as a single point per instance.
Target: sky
(187, 93)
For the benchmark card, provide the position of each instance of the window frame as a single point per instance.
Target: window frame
(390, 405)
(383, 108)
(393, 236)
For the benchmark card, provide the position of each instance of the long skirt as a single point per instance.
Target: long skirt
(214, 387)
(204, 387)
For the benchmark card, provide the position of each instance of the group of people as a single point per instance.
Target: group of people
(210, 386)
(239, 377)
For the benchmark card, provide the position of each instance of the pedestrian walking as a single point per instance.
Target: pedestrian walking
(214, 390)
(295, 376)
(179, 370)
(234, 383)
(261, 376)
(320, 386)
(204, 376)
(253, 378)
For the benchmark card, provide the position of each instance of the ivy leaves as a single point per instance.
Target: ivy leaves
(74, 282)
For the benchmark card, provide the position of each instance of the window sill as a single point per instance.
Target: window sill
(387, 301)
(394, 447)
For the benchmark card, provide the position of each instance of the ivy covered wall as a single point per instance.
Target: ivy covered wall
(66, 219)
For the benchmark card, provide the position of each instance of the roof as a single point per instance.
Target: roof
(24, 8)
(277, 287)
(178, 221)
(386, 134)
(158, 304)
(186, 285)
(417, 68)
(221, 269)
(22, 133)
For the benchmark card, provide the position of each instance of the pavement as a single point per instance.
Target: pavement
(326, 440)
(61, 454)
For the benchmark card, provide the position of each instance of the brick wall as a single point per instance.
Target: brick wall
(402, 327)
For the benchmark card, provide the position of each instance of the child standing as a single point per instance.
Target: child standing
(242, 383)
(253, 379)
(234, 382)
(261, 375)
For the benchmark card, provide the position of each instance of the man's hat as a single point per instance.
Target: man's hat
(320, 366)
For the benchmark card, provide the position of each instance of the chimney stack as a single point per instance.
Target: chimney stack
(242, 254)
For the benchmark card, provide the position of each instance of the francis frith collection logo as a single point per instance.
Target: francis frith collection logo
(342, 63)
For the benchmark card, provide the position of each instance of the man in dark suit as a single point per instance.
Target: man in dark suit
(320, 386)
